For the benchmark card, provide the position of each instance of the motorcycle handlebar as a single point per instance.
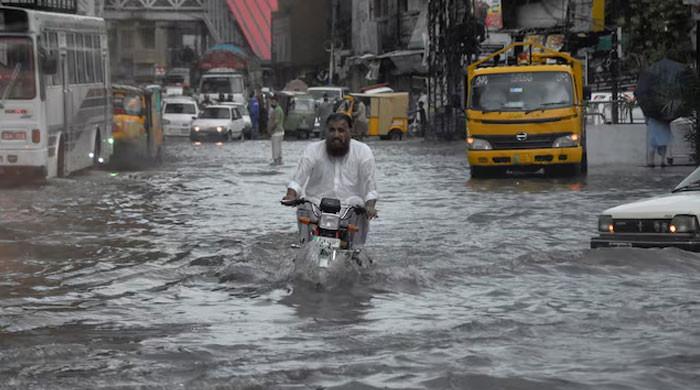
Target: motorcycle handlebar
(294, 203)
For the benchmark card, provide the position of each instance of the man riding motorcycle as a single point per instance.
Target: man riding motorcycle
(338, 167)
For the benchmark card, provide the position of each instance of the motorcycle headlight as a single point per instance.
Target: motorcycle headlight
(568, 141)
(605, 224)
(683, 224)
(219, 129)
(478, 144)
(329, 222)
(196, 128)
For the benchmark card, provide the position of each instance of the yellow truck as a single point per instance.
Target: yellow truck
(526, 116)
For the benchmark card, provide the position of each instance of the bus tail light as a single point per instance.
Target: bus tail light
(36, 136)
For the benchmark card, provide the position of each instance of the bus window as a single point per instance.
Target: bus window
(17, 79)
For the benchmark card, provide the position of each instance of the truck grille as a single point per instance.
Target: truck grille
(641, 225)
(532, 141)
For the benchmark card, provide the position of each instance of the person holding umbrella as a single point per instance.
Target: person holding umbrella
(665, 91)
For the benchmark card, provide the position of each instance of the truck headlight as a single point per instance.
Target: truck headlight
(478, 144)
(683, 224)
(568, 141)
(605, 224)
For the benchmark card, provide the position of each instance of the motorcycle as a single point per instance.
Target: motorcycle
(328, 253)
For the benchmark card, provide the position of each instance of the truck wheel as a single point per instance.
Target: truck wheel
(395, 135)
(61, 159)
(486, 172)
(563, 170)
(97, 150)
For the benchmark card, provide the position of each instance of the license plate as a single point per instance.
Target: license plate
(328, 241)
(14, 135)
(620, 244)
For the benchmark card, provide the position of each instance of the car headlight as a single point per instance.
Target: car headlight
(166, 122)
(683, 224)
(568, 141)
(605, 224)
(196, 128)
(478, 144)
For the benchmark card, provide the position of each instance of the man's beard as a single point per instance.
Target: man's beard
(337, 147)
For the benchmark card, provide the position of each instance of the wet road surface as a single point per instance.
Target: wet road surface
(181, 277)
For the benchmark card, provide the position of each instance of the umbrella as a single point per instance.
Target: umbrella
(666, 90)
(296, 85)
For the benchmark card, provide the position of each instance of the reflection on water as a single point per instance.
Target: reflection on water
(182, 275)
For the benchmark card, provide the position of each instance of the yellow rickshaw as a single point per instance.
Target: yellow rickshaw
(387, 113)
(137, 124)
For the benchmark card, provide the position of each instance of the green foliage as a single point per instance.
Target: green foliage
(652, 30)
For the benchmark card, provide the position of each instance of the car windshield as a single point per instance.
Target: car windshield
(522, 91)
(690, 183)
(216, 113)
(222, 85)
(318, 94)
(17, 79)
(180, 108)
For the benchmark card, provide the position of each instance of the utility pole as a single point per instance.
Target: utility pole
(331, 62)
(615, 68)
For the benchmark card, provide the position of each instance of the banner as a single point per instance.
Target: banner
(491, 13)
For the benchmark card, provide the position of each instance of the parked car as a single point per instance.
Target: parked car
(178, 114)
(665, 221)
(219, 122)
(335, 94)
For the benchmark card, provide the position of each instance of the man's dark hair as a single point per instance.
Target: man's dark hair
(339, 116)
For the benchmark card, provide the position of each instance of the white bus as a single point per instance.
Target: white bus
(55, 115)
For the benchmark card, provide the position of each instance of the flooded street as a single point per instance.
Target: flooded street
(181, 277)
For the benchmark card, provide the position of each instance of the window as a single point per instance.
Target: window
(403, 6)
(148, 37)
(380, 8)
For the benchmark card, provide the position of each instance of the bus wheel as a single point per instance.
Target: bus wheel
(61, 159)
(395, 135)
(97, 150)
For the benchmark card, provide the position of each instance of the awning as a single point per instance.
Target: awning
(407, 61)
(254, 18)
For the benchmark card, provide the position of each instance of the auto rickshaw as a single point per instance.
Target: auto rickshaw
(137, 125)
(300, 112)
(387, 113)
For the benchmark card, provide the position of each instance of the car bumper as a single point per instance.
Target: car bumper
(207, 135)
(525, 157)
(686, 242)
(176, 131)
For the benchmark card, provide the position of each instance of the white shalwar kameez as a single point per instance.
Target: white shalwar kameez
(349, 179)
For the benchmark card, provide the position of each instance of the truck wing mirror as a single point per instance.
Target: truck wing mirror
(587, 92)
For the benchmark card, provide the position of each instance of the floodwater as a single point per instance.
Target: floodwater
(181, 277)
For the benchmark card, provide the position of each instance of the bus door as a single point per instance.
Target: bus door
(65, 85)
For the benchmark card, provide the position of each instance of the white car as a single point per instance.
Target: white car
(244, 113)
(178, 114)
(218, 122)
(665, 221)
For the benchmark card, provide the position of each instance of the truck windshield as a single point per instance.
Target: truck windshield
(16, 68)
(522, 91)
(222, 85)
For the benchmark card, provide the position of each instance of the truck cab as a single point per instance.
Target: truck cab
(526, 116)
(221, 83)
